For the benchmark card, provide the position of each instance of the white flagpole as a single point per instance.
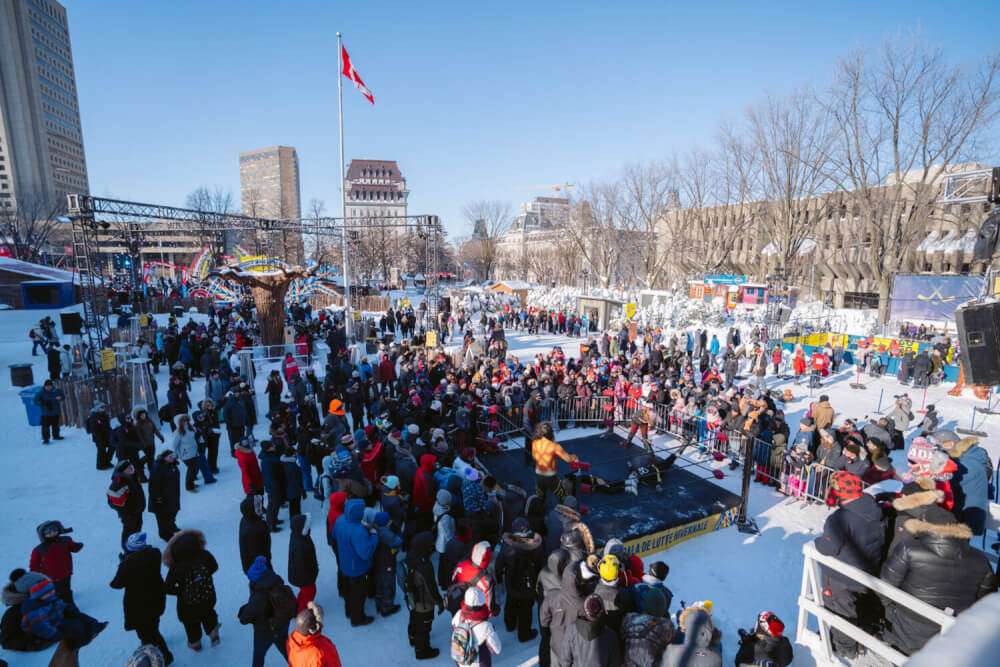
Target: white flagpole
(348, 322)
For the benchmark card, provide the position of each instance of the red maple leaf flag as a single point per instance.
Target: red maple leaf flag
(352, 74)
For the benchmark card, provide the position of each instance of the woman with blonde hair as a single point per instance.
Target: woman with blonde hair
(185, 445)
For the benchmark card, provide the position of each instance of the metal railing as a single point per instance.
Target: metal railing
(811, 604)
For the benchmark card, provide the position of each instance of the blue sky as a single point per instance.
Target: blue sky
(470, 98)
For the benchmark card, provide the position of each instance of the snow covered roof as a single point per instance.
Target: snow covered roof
(805, 247)
(37, 271)
(950, 242)
(514, 284)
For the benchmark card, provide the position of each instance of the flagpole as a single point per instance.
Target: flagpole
(348, 322)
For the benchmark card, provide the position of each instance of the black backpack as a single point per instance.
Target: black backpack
(285, 606)
(521, 577)
(196, 587)
(456, 592)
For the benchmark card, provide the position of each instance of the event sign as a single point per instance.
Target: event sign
(932, 297)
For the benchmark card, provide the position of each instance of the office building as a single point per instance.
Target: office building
(375, 189)
(41, 142)
(269, 188)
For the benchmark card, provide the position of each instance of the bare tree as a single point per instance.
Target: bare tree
(315, 210)
(903, 117)
(217, 200)
(792, 140)
(27, 226)
(490, 220)
(648, 192)
(597, 231)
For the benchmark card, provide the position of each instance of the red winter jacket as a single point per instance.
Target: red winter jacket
(253, 482)
(386, 371)
(371, 464)
(337, 501)
(55, 559)
(423, 485)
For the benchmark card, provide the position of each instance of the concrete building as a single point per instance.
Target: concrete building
(375, 189)
(41, 141)
(535, 231)
(269, 183)
(833, 259)
(269, 188)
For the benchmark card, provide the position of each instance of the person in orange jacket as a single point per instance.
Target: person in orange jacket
(799, 364)
(307, 646)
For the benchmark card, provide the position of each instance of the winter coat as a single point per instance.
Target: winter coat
(250, 474)
(560, 519)
(423, 485)
(49, 400)
(302, 565)
(822, 414)
(139, 574)
(337, 500)
(384, 559)
(135, 501)
(486, 638)
(272, 473)
(644, 639)
(255, 538)
(970, 483)
(258, 610)
(43, 613)
(184, 551)
(902, 413)
(699, 635)
(165, 488)
(445, 523)
(855, 534)
(311, 651)
(617, 602)
(355, 545)
(392, 504)
(938, 566)
(549, 586)
(519, 564)
(425, 592)
(759, 646)
(99, 426)
(185, 445)
(590, 644)
(147, 432)
(13, 637)
(55, 559)
(293, 477)
(235, 415)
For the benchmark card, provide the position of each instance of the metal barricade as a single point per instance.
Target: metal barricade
(596, 410)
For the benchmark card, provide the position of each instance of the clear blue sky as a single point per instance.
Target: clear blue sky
(470, 98)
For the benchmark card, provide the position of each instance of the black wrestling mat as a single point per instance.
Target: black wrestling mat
(687, 505)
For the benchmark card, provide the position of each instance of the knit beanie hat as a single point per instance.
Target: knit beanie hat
(341, 457)
(654, 603)
(369, 516)
(846, 486)
(27, 581)
(382, 518)
(444, 498)
(768, 623)
(474, 605)
(43, 589)
(659, 569)
(413, 430)
(391, 482)
(136, 541)
(257, 570)
(593, 608)
(471, 474)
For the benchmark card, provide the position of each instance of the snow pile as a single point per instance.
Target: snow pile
(476, 300)
(566, 298)
(814, 316)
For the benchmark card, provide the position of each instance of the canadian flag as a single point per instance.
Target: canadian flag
(352, 74)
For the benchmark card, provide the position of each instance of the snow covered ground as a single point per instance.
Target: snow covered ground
(741, 574)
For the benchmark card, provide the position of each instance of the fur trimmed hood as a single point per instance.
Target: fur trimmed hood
(919, 499)
(183, 545)
(11, 596)
(955, 531)
(567, 512)
(584, 530)
(962, 446)
(519, 543)
(697, 626)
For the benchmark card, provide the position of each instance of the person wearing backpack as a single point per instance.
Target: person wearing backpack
(645, 635)
(126, 497)
(472, 573)
(189, 576)
(255, 538)
(384, 565)
(421, 594)
(588, 641)
(518, 565)
(303, 567)
(144, 601)
(474, 640)
(270, 608)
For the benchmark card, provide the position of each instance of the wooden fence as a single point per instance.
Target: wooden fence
(371, 303)
(81, 393)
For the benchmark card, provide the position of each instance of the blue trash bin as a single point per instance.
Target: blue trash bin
(34, 411)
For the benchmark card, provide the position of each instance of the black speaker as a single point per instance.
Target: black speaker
(446, 304)
(979, 334)
(72, 324)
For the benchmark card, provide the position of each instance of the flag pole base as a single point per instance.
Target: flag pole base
(855, 385)
(748, 526)
(966, 431)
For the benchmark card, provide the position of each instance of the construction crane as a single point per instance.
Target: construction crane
(557, 187)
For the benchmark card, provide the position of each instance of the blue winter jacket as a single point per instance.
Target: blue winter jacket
(970, 484)
(49, 401)
(272, 472)
(355, 545)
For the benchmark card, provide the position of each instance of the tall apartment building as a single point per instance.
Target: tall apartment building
(269, 188)
(41, 141)
(375, 189)
(269, 183)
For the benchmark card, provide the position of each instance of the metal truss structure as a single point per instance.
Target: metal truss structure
(969, 187)
(92, 216)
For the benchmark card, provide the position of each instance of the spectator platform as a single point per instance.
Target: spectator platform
(687, 506)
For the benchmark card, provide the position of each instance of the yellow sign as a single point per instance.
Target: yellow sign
(630, 309)
(405, 302)
(649, 544)
(143, 320)
(107, 360)
(431, 339)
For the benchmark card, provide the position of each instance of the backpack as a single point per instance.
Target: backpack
(404, 580)
(195, 586)
(456, 592)
(118, 493)
(464, 650)
(284, 604)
